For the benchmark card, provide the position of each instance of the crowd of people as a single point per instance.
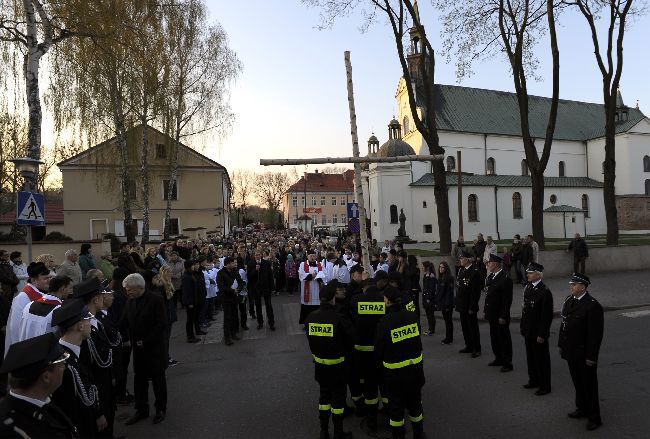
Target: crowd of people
(73, 330)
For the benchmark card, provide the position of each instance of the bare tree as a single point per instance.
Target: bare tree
(418, 68)
(270, 188)
(333, 169)
(483, 28)
(610, 65)
(243, 185)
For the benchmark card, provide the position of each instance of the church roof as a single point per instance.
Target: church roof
(481, 111)
(562, 208)
(394, 148)
(510, 181)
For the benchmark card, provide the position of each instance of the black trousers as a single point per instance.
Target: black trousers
(501, 341)
(579, 264)
(141, 386)
(243, 316)
(449, 325)
(404, 393)
(252, 294)
(415, 294)
(331, 400)
(469, 324)
(230, 320)
(192, 321)
(585, 381)
(431, 318)
(122, 373)
(269, 309)
(538, 358)
(369, 378)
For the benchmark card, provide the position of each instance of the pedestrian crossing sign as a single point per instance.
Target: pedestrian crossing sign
(30, 210)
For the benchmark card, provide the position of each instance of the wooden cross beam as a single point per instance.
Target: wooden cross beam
(333, 160)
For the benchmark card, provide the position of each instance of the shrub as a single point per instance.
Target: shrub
(56, 236)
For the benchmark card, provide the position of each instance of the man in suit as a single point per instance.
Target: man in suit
(260, 280)
(467, 298)
(146, 322)
(536, 319)
(36, 367)
(498, 299)
(581, 334)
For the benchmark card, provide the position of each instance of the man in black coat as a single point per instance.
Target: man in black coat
(498, 299)
(146, 320)
(467, 298)
(580, 253)
(260, 280)
(230, 285)
(581, 334)
(190, 299)
(535, 325)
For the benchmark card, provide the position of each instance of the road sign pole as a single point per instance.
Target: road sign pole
(28, 238)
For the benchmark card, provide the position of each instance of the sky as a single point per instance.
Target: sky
(291, 98)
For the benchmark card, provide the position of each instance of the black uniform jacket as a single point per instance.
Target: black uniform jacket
(147, 325)
(225, 280)
(398, 341)
(469, 289)
(97, 356)
(330, 337)
(366, 310)
(78, 396)
(498, 296)
(581, 331)
(189, 291)
(537, 313)
(48, 421)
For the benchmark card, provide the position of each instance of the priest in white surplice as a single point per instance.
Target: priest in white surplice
(37, 315)
(311, 277)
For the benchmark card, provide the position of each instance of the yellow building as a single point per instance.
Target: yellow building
(319, 199)
(92, 203)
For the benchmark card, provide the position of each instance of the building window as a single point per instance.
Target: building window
(451, 163)
(133, 190)
(334, 219)
(295, 219)
(323, 219)
(561, 169)
(174, 195)
(472, 208)
(173, 226)
(524, 168)
(585, 204)
(491, 169)
(428, 228)
(343, 201)
(646, 164)
(424, 204)
(393, 214)
(294, 201)
(516, 205)
(313, 200)
(161, 151)
(343, 218)
(553, 199)
(314, 219)
(405, 125)
(647, 187)
(322, 201)
(303, 202)
(333, 201)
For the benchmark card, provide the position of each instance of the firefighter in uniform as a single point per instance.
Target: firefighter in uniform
(498, 299)
(581, 333)
(469, 288)
(367, 308)
(330, 337)
(535, 325)
(398, 348)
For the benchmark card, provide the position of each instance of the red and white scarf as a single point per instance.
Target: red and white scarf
(32, 292)
(307, 290)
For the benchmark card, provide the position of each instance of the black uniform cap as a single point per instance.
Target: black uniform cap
(87, 289)
(495, 258)
(327, 293)
(393, 294)
(579, 278)
(36, 269)
(534, 266)
(72, 311)
(28, 359)
(464, 254)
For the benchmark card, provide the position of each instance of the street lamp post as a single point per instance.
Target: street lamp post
(28, 169)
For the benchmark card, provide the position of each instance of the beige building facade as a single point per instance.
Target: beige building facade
(92, 202)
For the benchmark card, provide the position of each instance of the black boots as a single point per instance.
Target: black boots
(338, 428)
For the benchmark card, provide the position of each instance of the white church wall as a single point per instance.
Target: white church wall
(630, 150)
(486, 223)
(391, 186)
(508, 224)
(595, 158)
(424, 214)
(558, 225)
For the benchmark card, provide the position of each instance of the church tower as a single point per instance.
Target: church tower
(415, 52)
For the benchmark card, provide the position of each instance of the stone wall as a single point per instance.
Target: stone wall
(633, 212)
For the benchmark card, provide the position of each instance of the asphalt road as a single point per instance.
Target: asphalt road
(263, 387)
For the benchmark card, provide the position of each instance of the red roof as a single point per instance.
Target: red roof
(319, 182)
(53, 214)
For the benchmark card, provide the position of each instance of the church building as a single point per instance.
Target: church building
(484, 125)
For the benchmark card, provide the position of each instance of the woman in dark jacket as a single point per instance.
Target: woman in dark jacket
(445, 299)
(429, 296)
(413, 282)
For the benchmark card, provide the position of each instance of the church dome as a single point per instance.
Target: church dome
(394, 148)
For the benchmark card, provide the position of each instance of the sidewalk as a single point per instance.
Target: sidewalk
(628, 289)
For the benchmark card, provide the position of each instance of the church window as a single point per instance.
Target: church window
(524, 168)
(553, 199)
(585, 204)
(393, 214)
(405, 124)
(424, 204)
(322, 201)
(472, 208)
(561, 169)
(490, 167)
(516, 205)
(646, 164)
(428, 228)
(647, 187)
(333, 201)
(451, 163)
(294, 201)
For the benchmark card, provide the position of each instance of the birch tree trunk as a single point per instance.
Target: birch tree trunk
(144, 173)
